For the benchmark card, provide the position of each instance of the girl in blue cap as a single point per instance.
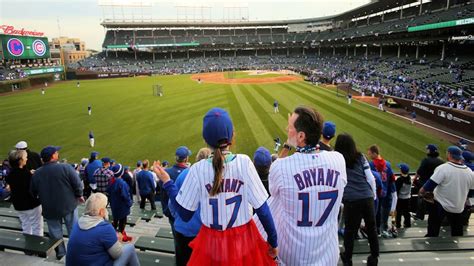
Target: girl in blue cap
(223, 186)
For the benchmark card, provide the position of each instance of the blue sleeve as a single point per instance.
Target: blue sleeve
(172, 191)
(179, 183)
(266, 218)
(108, 236)
(430, 185)
(125, 191)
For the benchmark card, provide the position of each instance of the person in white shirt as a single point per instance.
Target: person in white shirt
(450, 184)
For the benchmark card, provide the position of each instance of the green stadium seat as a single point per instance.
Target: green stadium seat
(150, 259)
(40, 246)
(155, 244)
(420, 258)
(417, 244)
(164, 233)
(9, 212)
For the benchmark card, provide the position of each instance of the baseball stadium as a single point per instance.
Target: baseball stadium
(368, 112)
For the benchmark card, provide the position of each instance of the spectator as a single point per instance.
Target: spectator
(27, 206)
(358, 199)
(185, 232)
(146, 186)
(329, 131)
(120, 201)
(450, 184)
(92, 166)
(34, 160)
(403, 184)
(59, 190)
(135, 173)
(424, 172)
(102, 176)
(262, 159)
(93, 241)
(204, 187)
(128, 178)
(182, 158)
(290, 192)
(388, 195)
(468, 157)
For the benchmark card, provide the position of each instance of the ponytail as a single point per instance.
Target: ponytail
(218, 166)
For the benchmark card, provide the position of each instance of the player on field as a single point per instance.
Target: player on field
(89, 109)
(78, 84)
(42, 91)
(224, 186)
(91, 139)
(275, 107)
(349, 98)
(306, 191)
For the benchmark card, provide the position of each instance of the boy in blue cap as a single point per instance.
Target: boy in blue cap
(120, 201)
(403, 184)
(262, 159)
(328, 133)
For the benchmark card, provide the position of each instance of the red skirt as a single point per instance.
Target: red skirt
(240, 246)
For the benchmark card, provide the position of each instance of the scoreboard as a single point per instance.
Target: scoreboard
(24, 47)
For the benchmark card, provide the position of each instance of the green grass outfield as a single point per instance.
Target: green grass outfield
(130, 124)
(245, 75)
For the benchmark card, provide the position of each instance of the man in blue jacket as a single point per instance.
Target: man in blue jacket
(146, 186)
(59, 189)
(182, 159)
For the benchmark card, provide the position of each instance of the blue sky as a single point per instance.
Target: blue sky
(81, 18)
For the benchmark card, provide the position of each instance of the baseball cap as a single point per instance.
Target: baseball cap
(112, 161)
(217, 126)
(106, 160)
(262, 157)
(139, 163)
(21, 145)
(165, 163)
(329, 129)
(94, 154)
(84, 161)
(455, 152)
(467, 156)
(432, 148)
(183, 152)
(48, 151)
(404, 168)
(117, 169)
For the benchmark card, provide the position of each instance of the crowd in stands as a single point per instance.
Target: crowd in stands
(41, 186)
(14, 69)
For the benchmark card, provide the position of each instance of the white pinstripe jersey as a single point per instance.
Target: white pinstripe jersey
(241, 186)
(306, 192)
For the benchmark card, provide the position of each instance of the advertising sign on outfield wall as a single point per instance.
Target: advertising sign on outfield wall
(461, 121)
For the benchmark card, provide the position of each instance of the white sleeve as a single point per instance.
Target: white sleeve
(189, 193)
(257, 193)
(274, 178)
(394, 201)
(370, 177)
(438, 175)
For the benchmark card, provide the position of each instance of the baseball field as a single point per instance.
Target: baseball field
(131, 124)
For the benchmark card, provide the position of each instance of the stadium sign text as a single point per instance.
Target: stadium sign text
(8, 29)
(423, 107)
(47, 70)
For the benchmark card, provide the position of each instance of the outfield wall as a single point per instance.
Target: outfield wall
(462, 121)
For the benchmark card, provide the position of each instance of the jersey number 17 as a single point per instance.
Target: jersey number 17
(304, 197)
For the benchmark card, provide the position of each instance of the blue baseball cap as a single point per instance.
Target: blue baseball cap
(329, 130)
(262, 157)
(48, 151)
(94, 154)
(139, 163)
(467, 155)
(217, 127)
(432, 148)
(117, 169)
(404, 168)
(106, 160)
(183, 152)
(455, 152)
(165, 163)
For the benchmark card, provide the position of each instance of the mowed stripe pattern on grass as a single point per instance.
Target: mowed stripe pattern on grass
(130, 124)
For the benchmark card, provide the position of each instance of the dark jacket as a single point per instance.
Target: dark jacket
(19, 180)
(324, 147)
(57, 186)
(427, 167)
(34, 160)
(119, 197)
